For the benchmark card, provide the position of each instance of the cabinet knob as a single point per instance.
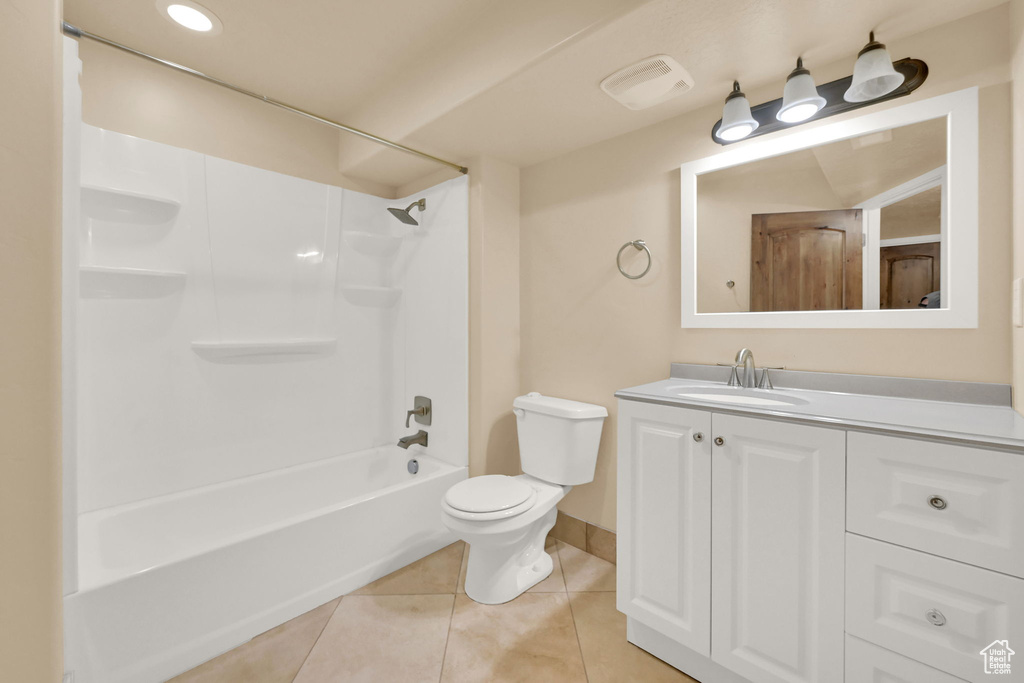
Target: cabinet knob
(937, 502)
(719, 441)
(935, 617)
(698, 436)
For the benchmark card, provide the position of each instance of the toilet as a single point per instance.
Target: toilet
(505, 520)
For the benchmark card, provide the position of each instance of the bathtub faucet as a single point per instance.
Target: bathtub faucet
(419, 437)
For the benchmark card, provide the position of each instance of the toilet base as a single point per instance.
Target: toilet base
(503, 568)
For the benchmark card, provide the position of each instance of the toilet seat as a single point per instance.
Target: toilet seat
(489, 497)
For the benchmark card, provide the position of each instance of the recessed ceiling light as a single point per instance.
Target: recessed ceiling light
(190, 15)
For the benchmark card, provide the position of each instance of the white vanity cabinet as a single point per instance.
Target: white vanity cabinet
(664, 534)
(731, 533)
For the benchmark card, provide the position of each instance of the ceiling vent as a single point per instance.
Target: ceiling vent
(649, 82)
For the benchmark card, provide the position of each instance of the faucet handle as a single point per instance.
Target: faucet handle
(766, 381)
(421, 410)
(734, 377)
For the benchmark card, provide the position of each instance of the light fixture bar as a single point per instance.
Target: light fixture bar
(915, 71)
(76, 32)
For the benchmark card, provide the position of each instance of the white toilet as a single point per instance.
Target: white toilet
(505, 520)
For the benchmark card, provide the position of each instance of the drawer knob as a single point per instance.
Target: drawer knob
(935, 617)
(698, 436)
(719, 441)
(937, 502)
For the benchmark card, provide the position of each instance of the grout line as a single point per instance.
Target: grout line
(576, 631)
(306, 658)
(448, 636)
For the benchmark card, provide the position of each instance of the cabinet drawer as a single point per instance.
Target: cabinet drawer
(868, 663)
(952, 501)
(893, 596)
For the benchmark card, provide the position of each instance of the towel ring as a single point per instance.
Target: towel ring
(638, 245)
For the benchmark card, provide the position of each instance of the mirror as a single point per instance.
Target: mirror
(844, 225)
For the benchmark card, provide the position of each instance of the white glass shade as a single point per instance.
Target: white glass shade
(800, 99)
(873, 76)
(737, 121)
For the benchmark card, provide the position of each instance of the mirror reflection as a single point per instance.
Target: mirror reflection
(849, 225)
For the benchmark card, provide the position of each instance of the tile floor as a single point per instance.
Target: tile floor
(417, 624)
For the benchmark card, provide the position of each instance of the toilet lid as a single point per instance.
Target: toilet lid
(489, 493)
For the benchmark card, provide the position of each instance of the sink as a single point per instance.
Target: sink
(736, 396)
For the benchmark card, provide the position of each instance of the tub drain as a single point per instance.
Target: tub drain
(413, 466)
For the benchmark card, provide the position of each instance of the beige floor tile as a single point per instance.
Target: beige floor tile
(608, 656)
(531, 638)
(555, 583)
(435, 573)
(373, 638)
(584, 572)
(272, 657)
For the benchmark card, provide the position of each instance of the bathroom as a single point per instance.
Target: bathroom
(240, 388)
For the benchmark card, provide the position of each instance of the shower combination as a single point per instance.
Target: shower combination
(405, 216)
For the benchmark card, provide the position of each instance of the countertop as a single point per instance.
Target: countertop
(975, 424)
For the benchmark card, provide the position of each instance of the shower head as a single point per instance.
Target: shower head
(404, 215)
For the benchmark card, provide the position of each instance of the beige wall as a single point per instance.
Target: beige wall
(131, 95)
(30, 200)
(493, 316)
(587, 331)
(1017, 67)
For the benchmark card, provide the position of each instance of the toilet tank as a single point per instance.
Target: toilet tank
(558, 438)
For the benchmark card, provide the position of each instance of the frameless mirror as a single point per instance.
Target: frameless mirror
(851, 224)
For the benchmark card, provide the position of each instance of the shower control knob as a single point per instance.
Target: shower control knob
(698, 436)
(719, 441)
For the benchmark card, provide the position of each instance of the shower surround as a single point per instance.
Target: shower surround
(246, 345)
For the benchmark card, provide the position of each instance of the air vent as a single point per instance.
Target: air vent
(649, 82)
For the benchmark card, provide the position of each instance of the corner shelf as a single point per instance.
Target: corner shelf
(124, 206)
(370, 296)
(270, 350)
(371, 243)
(100, 282)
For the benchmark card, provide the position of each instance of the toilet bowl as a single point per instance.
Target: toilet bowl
(506, 520)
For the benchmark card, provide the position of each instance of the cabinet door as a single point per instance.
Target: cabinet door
(777, 555)
(664, 521)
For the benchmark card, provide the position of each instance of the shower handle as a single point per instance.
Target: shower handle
(422, 411)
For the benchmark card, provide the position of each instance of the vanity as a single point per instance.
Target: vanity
(835, 528)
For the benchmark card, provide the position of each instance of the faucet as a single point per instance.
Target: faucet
(746, 358)
(419, 437)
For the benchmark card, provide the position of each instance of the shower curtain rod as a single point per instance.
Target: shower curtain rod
(72, 30)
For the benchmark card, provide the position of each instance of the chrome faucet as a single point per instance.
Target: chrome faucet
(746, 358)
(419, 437)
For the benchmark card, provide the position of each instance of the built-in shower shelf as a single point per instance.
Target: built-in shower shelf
(99, 282)
(270, 350)
(112, 205)
(371, 243)
(367, 295)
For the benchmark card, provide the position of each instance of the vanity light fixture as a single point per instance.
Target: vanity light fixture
(737, 121)
(800, 98)
(190, 15)
(873, 74)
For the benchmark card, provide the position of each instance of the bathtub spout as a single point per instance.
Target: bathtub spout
(419, 437)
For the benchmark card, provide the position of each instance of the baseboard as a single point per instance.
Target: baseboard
(588, 537)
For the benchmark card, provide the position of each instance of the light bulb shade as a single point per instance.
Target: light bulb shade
(800, 99)
(737, 121)
(873, 76)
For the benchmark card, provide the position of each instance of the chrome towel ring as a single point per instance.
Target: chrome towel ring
(638, 245)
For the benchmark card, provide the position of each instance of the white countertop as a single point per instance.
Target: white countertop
(985, 425)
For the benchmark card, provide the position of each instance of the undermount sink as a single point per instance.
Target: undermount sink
(735, 396)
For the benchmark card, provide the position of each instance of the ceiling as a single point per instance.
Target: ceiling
(517, 80)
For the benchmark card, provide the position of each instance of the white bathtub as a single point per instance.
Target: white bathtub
(170, 582)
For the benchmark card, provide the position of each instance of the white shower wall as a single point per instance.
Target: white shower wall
(234, 321)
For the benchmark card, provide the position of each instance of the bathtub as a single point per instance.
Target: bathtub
(168, 583)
